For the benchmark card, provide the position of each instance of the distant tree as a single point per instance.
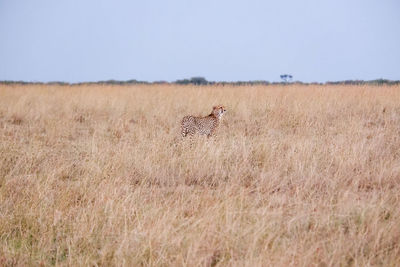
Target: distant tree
(286, 78)
(184, 81)
(198, 81)
(132, 81)
(193, 80)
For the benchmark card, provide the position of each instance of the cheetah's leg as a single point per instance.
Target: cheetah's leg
(184, 132)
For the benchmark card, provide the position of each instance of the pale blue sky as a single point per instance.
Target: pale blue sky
(226, 40)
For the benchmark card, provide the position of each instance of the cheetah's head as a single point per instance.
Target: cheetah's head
(218, 111)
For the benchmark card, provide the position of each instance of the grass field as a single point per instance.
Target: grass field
(298, 175)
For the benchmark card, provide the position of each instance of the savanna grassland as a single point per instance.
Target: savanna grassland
(298, 175)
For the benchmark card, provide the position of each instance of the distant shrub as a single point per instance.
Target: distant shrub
(198, 81)
(184, 81)
(361, 82)
(195, 81)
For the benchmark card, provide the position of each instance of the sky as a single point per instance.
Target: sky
(221, 40)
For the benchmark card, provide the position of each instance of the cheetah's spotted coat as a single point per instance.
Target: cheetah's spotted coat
(202, 125)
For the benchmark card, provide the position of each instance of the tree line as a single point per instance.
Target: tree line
(202, 81)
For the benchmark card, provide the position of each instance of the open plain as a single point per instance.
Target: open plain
(298, 175)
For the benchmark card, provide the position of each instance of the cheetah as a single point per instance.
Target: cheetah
(202, 125)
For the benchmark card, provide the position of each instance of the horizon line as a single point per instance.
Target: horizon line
(198, 80)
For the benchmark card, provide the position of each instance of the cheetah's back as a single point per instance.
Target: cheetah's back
(200, 125)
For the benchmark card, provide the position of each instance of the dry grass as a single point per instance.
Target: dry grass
(298, 175)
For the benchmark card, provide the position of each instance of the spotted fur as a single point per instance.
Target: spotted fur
(192, 125)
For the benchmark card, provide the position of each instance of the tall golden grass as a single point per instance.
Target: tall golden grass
(298, 175)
